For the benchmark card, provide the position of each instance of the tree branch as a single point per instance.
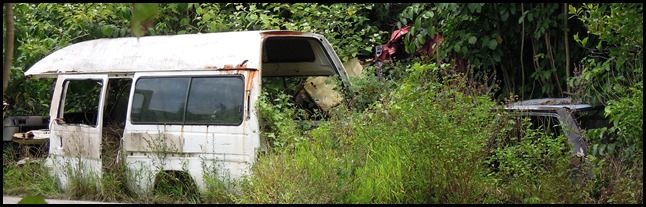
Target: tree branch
(567, 47)
(8, 56)
(522, 48)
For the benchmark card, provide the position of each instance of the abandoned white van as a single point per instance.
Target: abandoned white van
(179, 103)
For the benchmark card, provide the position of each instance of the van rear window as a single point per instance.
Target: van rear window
(214, 100)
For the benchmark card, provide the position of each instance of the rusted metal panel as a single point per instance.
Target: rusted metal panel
(282, 33)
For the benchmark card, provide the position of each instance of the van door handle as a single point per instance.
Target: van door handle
(59, 121)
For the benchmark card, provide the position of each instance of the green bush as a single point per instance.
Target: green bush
(434, 156)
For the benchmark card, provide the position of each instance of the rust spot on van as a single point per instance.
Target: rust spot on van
(241, 65)
(281, 33)
(211, 67)
(249, 81)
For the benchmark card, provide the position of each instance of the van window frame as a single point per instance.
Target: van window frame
(186, 98)
(66, 96)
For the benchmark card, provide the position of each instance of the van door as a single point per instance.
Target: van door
(76, 126)
(190, 122)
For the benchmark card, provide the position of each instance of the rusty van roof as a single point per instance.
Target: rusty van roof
(208, 51)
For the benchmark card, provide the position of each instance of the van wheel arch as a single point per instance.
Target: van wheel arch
(168, 180)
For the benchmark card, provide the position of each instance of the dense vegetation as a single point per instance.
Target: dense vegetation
(419, 136)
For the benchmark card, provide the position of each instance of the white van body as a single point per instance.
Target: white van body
(191, 73)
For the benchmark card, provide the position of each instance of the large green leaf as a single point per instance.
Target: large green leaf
(142, 17)
(492, 44)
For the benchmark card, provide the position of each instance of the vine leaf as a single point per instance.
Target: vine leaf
(473, 40)
(492, 44)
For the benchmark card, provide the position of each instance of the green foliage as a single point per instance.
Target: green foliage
(358, 158)
(217, 189)
(308, 175)
(43, 28)
(346, 26)
(616, 61)
(531, 156)
(615, 182)
(523, 165)
(488, 38)
(143, 15)
(277, 122)
(626, 116)
(457, 24)
(366, 89)
(613, 74)
(620, 25)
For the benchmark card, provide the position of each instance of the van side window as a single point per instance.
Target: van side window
(189, 100)
(80, 102)
(166, 100)
(215, 100)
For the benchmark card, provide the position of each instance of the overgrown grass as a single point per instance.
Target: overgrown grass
(406, 148)
(422, 143)
(28, 179)
(427, 141)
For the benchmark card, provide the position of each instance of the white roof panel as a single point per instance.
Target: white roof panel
(157, 53)
(546, 104)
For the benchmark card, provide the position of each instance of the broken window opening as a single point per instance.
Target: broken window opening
(294, 88)
(80, 102)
